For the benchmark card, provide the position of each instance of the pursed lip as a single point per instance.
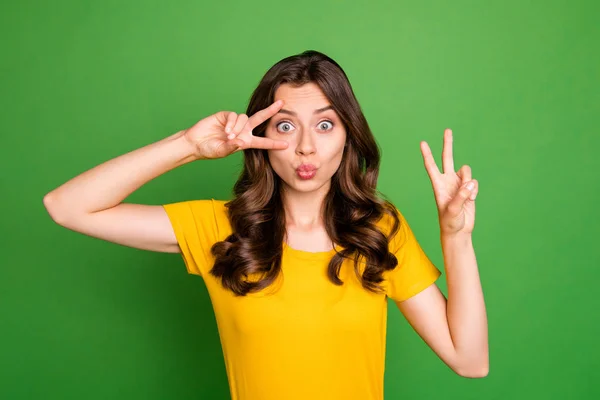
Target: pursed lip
(306, 168)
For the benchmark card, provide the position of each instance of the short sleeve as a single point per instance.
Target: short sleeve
(414, 271)
(195, 225)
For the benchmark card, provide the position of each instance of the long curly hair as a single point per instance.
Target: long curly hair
(351, 208)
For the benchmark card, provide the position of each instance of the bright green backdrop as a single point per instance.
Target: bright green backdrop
(83, 82)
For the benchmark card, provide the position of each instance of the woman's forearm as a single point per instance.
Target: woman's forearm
(465, 309)
(108, 184)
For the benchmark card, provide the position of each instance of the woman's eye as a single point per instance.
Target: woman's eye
(285, 126)
(323, 125)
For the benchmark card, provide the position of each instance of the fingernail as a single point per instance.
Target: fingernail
(228, 129)
(470, 185)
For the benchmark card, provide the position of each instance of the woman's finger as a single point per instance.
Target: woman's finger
(475, 190)
(235, 145)
(261, 116)
(268, 144)
(230, 121)
(430, 165)
(464, 173)
(239, 125)
(447, 153)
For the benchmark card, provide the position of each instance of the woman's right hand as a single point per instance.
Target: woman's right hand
(226, 132)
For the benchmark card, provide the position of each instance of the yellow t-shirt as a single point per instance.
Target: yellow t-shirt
(304, 337)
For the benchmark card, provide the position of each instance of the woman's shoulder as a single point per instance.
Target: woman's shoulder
(209, 209)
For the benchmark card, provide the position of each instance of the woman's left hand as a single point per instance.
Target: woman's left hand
(455, 202)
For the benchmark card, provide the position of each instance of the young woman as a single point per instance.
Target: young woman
(300, 263)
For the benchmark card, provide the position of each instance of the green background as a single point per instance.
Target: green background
(83, 82)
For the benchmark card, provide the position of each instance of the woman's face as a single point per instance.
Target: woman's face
(315, 134)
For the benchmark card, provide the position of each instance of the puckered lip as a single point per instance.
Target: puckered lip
(304, 167)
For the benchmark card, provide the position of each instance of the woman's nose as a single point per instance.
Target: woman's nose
(306, 144)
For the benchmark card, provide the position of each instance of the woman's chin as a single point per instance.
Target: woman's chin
(303, 185)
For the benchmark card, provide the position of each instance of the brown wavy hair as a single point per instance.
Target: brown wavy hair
(351, 208)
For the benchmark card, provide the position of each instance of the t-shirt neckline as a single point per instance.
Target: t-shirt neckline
(309, 255)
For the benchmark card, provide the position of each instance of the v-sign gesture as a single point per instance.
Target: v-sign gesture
(226, 132)
(454, 196)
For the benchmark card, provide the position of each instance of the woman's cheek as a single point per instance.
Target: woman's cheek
(278, 162)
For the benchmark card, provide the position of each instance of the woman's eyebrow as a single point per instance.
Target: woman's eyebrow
(317, 111)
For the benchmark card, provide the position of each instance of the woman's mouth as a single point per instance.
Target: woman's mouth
(306, 171)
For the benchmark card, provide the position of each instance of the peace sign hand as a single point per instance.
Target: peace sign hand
(226, 132)
(454, 198)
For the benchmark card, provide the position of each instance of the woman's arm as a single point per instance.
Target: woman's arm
(466, 311)
(455, 329)
(91, 203)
